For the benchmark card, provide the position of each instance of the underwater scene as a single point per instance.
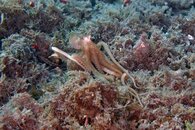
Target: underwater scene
(97, 64)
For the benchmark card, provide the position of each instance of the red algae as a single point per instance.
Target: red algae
(147, 38)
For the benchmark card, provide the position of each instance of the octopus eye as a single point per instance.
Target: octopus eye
(87, 39)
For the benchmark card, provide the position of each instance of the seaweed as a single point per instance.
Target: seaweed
(152, 39)
(24, 115)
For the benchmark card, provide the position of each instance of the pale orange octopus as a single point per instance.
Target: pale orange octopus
(92, 60)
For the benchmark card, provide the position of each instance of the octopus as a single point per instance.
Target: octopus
(92, 60)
